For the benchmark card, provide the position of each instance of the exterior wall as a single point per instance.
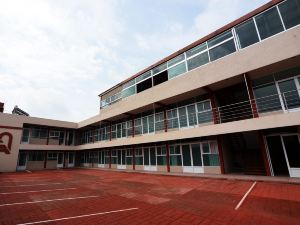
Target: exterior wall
(139, 167)
(35, 165)
(176, 169)
(248, 59)
(37, 141)
(8, 162)
(51, 164)
(212, 169)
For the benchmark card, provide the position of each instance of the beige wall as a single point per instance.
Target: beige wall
(51, 164)
(8, 162)
(248, 59)
(35, 165)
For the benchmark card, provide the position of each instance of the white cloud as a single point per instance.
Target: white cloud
(53, 52)
(57, 56)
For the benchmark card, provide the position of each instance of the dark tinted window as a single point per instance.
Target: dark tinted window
(290, 12)
(222, 50)
(197, 61)
(246, 34)
(268, 23)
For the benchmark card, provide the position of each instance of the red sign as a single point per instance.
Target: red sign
(6, 148)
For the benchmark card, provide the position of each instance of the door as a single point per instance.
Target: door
(71, 159)
(22, 161)
(150, 159)
(101, 159)
(289, 90)
(277, 156)
(291, 145)
(192, 158)
(121, 160)
(60, 160)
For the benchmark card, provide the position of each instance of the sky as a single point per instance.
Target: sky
(57, 56)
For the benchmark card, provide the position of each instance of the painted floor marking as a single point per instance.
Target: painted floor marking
(23, 192)
(49, 200)
(245, 196)
(81, 216)
(28, 185)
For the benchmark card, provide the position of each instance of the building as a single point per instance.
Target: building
(227, 103)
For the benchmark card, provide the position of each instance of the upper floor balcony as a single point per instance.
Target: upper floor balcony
(256, 27)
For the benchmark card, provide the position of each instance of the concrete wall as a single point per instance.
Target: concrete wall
(251, 58)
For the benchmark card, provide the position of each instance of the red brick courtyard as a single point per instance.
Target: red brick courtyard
(82, 196)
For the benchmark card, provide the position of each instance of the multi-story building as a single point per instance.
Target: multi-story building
(227, 103)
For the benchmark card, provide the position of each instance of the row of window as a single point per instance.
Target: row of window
(181, 117)
(42, 133)
(272, 21)
(190, 154)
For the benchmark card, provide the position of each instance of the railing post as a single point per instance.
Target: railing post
(250, 92)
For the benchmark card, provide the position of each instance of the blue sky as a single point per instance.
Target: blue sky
(57, 56)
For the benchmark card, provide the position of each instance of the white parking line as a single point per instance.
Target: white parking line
(49, 200)
(29, 185)
(81, 216)
(22, 192)
(245, 196)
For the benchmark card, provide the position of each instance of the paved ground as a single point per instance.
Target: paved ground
(104, 197)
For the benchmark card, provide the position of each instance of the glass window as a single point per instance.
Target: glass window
(159, 68)
(143, 76)
(175, 60)
(196, 50)
(129, 157)
(151, 123)
(176, 70)
(268, 23)
(129, 83)
(161, 156)
(119, 130)
(129, 128)
(290, 12)
(289, 93)
(145, 125)
(267, 98)
(172, 118)
(113, 131)
(198, 60)
(139, 156)
(159, 121)
(222, 50)
(210, 154)
(128, 92)
(186, 156)
(204, 112)
(175, 156)
(192, 118)
(246, 33)
(218, 39)
(138, 126)
(182, 117)
(124, 129)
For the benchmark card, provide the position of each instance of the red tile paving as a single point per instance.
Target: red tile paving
(159, 199)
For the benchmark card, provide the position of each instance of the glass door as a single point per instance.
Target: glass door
(71, 159)
(289, 90)
(60, 160)
(192, 158)
(101, 159)
(22, 161)
(291, 145)
(150, 159)
(121, 159)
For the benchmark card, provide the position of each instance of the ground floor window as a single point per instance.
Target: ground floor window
(139, 156)
(161, 155)
(36, 156)
(175, 155)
